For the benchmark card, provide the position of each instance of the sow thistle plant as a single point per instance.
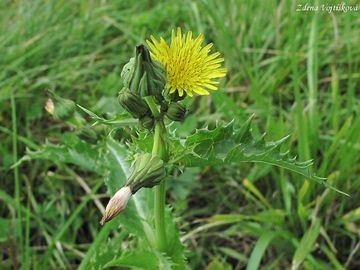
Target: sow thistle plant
(155, 83)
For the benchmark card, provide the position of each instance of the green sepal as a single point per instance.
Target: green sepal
(147, 171)
(134, 104)
(136, 76)
(128, 71)
(147, 122)
(176, 111)
(144, 89)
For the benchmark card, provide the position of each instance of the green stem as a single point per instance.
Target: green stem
(160, 232)
(152, 105)
(16, 174)
(159, 148)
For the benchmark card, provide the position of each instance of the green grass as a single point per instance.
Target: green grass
(297, 71)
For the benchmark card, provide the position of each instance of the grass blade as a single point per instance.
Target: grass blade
(259, 250)
(306, 244)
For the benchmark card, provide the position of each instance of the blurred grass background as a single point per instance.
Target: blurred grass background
(299, 72)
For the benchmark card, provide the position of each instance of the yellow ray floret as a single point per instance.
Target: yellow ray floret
(189, 66)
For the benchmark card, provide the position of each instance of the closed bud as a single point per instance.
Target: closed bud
(143, 76)
(134, 104)
(148, 171)
(60, 108)
(144, 85)
(147, 122)
(176, 111)
(127, 71)
(116, 204)
(136, 75)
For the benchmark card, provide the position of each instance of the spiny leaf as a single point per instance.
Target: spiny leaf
(225, 145)
(103, 248)
(121, 120)
(141, 259)
(175, 247)
(72, 151)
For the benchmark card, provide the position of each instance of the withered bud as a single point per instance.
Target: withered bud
(49, 106)
(58, 107)
(116, 204)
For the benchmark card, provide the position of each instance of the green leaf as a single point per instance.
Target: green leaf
(306, 244)
(272, 216)
(103, 249)
(121, 120)
(259, 250)
(72, 151)
(5, 225)
(141, 259)
(133, 220)
(175, 247)
(216, 264)
(136, 216)
(227, 145)
(117, 165)
(90, 113)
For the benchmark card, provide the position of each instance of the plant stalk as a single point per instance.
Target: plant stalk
(160, 149)
(19, 231)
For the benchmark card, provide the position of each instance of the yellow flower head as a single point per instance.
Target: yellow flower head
(189, 67)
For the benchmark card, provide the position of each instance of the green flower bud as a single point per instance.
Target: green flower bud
(60, 108)
(176, 111)
(147, 122)
(143, 76)
(127, 71)
(136, 75)
(144, 86)
(147, 171)
(134, 104)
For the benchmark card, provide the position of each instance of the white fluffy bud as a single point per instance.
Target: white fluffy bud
(117, 204)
